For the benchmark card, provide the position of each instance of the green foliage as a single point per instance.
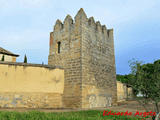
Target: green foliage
(147, 81)
(80, 115)
(25, 59)
(2, 58)
(121, 78)
(125, 78)
(144, 79)
(133, 64)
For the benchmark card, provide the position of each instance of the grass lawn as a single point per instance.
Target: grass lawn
(80, 115)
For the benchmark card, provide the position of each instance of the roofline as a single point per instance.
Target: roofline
(10, 54)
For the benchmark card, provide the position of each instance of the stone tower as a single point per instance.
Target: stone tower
(85, 49)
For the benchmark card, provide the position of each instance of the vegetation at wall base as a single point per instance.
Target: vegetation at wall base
(80, 115)
(144, 79)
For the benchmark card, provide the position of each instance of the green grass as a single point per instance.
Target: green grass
(80, 115)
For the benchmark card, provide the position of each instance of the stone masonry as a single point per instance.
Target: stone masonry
(85, 49)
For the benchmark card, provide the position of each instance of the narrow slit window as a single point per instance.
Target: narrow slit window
(59, 46)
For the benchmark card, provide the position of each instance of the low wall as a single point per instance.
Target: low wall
(123, 92)
(31, 85)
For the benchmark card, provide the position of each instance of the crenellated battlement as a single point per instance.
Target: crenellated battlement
(58, 26)
(91, 21)
(68, 21)
(81, 19)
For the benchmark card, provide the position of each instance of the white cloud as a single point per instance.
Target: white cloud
(14, 4)
(24, 39)
(33, 3)
(127, 11)
(117, 12)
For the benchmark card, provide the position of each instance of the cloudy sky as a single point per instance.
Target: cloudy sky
(25, 26)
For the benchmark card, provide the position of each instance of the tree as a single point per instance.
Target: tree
(25, 59)
(124, 78)
(134, 65)
(156, 85)
(147, 81)
(2, 58)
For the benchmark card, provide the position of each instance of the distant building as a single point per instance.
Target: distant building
(8, 56)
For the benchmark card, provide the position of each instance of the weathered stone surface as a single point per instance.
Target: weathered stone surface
(30, 100)
(87, 56)
(123, 92)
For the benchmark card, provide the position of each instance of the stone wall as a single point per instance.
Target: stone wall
(130, 93)
(87, 55)
(98, 64)
(31, 85)
(123, 92)
(69, 57)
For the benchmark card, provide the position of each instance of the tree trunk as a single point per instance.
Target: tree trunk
(157, 112)
(157, 108)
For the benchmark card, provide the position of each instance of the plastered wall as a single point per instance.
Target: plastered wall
(23, 85)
